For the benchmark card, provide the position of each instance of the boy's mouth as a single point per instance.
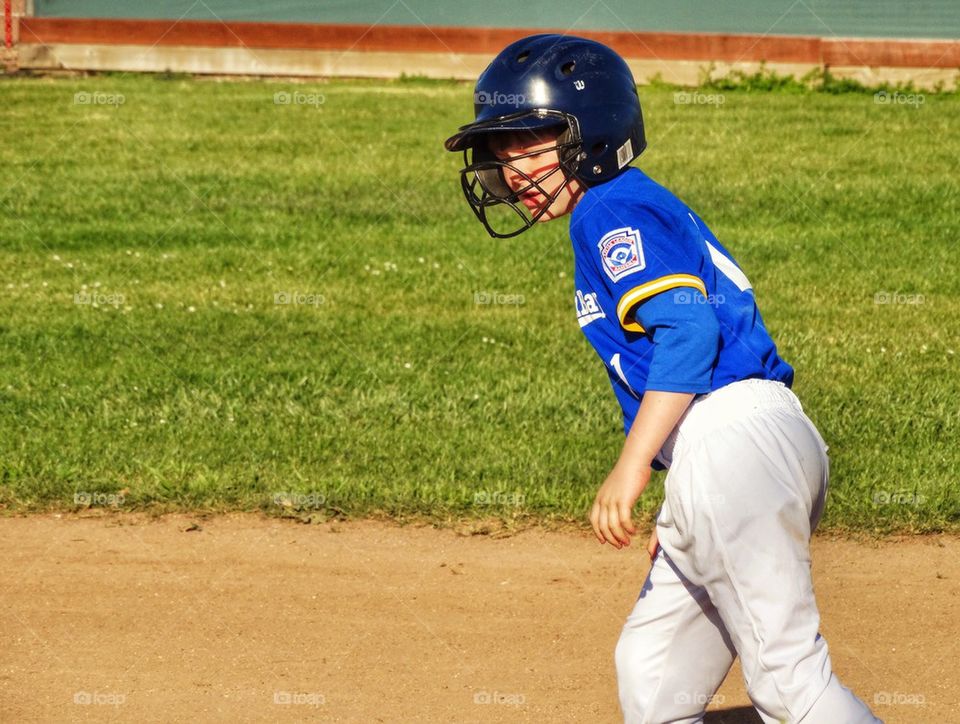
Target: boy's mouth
(531, 198)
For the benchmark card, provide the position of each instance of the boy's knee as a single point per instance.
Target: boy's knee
(634, 680)
(838, 704)
(645, 693)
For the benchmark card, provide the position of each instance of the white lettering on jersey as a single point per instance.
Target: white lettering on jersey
(588, 308)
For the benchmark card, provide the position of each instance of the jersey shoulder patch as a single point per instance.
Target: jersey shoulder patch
(621, 253)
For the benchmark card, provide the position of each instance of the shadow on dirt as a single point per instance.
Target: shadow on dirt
(739, 715)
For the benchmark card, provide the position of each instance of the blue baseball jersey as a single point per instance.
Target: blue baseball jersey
(633, 241)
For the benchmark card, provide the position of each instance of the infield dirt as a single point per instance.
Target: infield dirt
(123, 617)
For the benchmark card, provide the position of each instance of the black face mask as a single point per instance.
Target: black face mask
(482, 179)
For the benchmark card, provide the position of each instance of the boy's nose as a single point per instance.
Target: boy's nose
(515, 180)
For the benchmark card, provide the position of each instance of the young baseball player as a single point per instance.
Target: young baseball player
(703, 390)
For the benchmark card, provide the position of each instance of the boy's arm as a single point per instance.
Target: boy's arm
(611, 514)
(686, 336)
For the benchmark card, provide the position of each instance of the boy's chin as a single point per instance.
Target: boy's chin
(551, 214)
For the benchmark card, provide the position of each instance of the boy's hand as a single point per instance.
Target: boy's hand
(653, 544)
(658, 415)
(612, 509)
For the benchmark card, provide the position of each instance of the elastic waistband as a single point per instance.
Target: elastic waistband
(729, 403)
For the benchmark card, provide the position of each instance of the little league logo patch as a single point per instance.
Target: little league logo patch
(621, 253)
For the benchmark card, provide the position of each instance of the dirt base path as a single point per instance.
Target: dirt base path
(121, 618)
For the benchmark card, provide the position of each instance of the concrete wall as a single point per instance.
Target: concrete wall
(381, 48)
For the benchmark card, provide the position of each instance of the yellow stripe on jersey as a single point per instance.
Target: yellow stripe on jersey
(633, 297)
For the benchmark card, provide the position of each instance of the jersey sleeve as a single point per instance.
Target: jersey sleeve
(639, 252)
(686, 341)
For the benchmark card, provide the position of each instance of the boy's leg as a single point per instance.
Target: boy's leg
(673, 652)
(741, 505)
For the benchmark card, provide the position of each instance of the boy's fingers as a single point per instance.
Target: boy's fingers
(653, 543)
(605, 523)
(625, 519)
(598, 526)
(595, 521)
(613, 520)
(602, 524)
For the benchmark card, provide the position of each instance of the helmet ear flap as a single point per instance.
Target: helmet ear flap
(569, 154)
(491, 178)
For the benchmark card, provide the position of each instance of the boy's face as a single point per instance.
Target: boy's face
(542, 167)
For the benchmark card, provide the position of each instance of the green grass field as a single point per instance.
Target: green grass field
(148, 249)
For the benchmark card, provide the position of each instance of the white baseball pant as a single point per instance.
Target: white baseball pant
(746, 486)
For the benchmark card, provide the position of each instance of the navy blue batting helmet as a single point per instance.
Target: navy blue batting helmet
(578, 86)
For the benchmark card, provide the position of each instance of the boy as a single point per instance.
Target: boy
(702, 388)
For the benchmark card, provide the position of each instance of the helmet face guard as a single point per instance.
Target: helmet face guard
(483, 181)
